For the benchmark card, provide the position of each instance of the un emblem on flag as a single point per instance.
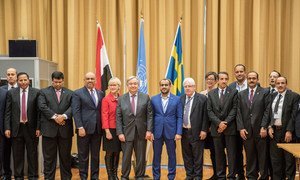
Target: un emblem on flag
(142, 74)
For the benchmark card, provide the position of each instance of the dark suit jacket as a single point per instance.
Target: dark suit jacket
(198, 115)
(49, 106)
(218, 113)
(12, 111)
(297, 121)
(85, 113)
(290, 105)
(5, 87)
(2, 108)
(171, 121)
(252, 117)
(127, 122)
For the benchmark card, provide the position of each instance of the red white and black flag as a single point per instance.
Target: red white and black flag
(103, 70)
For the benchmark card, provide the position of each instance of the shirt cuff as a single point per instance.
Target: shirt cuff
(54, 116)
(65, 116)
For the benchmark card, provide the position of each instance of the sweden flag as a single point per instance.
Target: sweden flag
(175, 71)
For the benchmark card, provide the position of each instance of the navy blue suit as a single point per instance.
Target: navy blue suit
(87, 115)
(2, 136)
(165, 126)
(297, 122)
(6, 148)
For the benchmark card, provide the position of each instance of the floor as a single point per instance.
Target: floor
(180, 173)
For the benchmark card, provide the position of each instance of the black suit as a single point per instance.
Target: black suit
(218, 112)
(283, 162)
(23, 134)
(239, 143)
(134, 127)
(192, 146)
(55, 135)
(6, 150)
(297, 122)
(2, 135)
(252, 117)
(270, 91)
(87, 115)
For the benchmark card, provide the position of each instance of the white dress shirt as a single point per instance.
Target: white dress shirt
(278, 115)
(242, 86)
(191, 104)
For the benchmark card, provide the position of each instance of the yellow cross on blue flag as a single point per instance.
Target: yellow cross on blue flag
(175, 71)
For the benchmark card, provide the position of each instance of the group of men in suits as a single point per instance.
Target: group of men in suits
(245, 114)
(241, 115)
(26, 113)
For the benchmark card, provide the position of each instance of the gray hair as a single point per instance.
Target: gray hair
(131, 78)
(188, 80)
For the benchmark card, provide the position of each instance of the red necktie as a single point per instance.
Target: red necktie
(133, 104)
(24, 115)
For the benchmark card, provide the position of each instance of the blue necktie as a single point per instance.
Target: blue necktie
(93, 97)
(186, 112)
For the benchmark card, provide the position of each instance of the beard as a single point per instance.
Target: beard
(165, 92)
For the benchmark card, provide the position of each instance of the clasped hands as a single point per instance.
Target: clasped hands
(60, 119)
(222, 126)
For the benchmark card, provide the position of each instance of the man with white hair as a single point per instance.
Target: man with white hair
(134, 127)
(195, 121)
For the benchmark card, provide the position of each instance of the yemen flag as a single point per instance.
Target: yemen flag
(103, 70)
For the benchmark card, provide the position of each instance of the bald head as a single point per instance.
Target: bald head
(90, 80)
(11, 76)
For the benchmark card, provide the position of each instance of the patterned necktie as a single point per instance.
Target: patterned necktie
(93, 97)
(133, 104)
(251, 96)
(24, 114)
(186, 112)
(277, 104)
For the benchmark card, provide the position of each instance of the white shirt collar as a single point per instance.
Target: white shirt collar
(191, 96)
(132, 94)
(26, 90)
(164, 97)
(221, 89)
(283, 94)
(253, 89)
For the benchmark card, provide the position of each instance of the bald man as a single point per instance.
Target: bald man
(11, 77)
(86, 106)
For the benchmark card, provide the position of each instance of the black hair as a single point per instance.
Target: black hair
(57, 75)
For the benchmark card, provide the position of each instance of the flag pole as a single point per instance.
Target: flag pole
(124, 57)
